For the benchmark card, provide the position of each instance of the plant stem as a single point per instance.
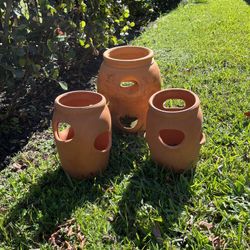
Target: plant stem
(9, 4)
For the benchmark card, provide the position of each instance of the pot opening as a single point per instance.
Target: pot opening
(129, 86)
(171, 137)
(174, 100)
(128, 122)
(102, 141)
(128, 53)
(65, 131)
(175, 104)
(80, 99)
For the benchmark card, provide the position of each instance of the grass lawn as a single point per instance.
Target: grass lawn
(201, 46)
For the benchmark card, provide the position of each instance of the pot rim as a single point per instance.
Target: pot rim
(140, 60)
(172, 112)
(100, 103)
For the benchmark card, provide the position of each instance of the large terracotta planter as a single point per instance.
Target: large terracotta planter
(84, 147)
(127, 78)
(174, 135)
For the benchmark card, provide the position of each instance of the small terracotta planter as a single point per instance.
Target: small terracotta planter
(83, 147)
(174, 135)
(127, 78)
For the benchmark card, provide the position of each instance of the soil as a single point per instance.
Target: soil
(34, 107)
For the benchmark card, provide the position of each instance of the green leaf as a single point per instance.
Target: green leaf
(50, 44)
(126, 13)
(24, 9)
(132, 24)
(82, 24)
(51, 9)
(83, 6)
(63, 5)
(158, 219)
(81, 42)
(63, 85)
(36, 67)
(72, 24)
(22, 61)
(55, 73)
(86, 46)
(114, 40)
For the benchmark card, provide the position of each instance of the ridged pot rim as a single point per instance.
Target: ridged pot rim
(174, 93)
(99, 102)
(115, 61)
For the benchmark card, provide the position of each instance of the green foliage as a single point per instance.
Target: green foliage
(142, 11)
(42, 38)
(39, 38)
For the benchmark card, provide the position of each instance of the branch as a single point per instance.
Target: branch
(7, 18)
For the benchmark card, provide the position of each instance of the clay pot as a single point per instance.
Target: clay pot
(83, 147)
(174, 134)
(127, 78)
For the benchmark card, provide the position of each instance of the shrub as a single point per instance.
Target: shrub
(143, 11)
(38, 37)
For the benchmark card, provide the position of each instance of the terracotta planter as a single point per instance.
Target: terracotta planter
(84, 147)
(127, 78)
(174, 134)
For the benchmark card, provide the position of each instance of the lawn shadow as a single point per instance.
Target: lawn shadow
(247, 1)
(54, 197)
(152, 204)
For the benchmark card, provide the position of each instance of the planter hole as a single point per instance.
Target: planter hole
(174, 104)
(128, 84)
(171, 137)
(102, 141)
(65, 131)
(128, 122)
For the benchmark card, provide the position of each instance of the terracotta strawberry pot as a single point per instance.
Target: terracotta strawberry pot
(127, 78)
(174, 135)
(83, 147)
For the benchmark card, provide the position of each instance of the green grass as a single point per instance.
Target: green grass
(134, 204)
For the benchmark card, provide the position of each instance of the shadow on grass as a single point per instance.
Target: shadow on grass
(247, 1)
(152, 204)
(54, 197)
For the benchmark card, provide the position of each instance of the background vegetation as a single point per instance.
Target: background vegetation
(41, 38)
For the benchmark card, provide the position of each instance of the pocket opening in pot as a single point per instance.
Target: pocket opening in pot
(65, 131)
(103, 141)
(128, 122)
(171, 137)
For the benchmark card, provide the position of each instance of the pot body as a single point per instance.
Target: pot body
(83, 147)
(136, 66)
(174, 135)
